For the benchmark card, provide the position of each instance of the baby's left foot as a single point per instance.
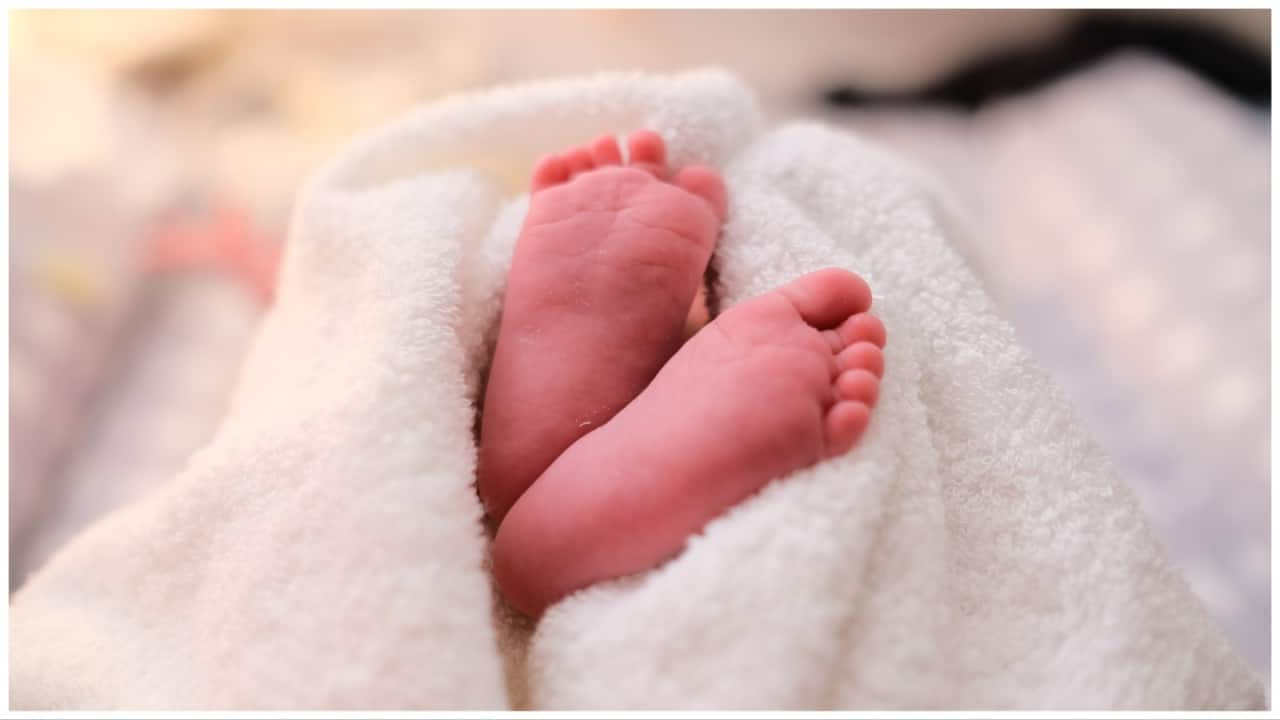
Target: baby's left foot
(773, 385)
(609, 261)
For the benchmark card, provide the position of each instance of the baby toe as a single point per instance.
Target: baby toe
(579, 161)
(858, 385)
(605, 151)
(862, 327)
(826, 297)
(550, 170)
(647, 151)
(862, 355)
(845, 423)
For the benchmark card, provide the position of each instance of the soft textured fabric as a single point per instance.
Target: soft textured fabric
(326, 549)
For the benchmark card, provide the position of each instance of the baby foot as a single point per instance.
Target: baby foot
(606, 268)
(773, 385)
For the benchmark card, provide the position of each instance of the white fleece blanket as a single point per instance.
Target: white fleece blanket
(326, 549)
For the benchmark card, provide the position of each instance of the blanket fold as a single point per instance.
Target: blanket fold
(326, 549)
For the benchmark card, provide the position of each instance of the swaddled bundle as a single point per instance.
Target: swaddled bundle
(325, 550)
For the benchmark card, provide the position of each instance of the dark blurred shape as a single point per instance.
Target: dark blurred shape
(1215, 55)
(168, 70)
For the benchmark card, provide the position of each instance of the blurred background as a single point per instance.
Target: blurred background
(1114, 168)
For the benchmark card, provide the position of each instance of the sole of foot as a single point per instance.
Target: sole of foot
(774, 384)
(608, 263)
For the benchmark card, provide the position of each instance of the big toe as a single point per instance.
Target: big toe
(826, 298)
(706, 184)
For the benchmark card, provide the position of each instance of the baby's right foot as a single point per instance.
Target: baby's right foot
(607, 266)
(773, 385)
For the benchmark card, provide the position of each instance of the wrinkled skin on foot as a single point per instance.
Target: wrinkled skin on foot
(608, 263)
(771, 386)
